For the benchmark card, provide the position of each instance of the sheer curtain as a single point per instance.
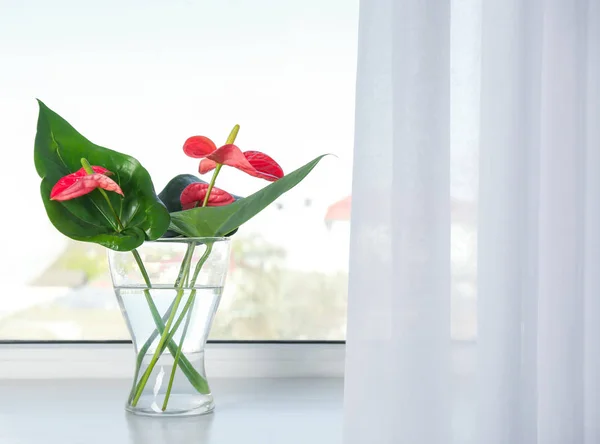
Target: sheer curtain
(530, 373)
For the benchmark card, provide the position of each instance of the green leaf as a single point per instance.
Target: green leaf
(219, 221)
(58, 152)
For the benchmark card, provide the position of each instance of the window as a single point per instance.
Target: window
(143, 76)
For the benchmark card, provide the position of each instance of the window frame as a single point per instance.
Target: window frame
(224, 359)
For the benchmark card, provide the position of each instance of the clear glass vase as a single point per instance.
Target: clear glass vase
(169, 291)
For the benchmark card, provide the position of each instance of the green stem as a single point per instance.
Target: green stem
(178, 322)
(186, 366)
(142, 268)
(201, 262)
(212, 183)
(189, 304)
(232, 135)
(159, 347)
(178, 353)
(116, 216)
(167, 334)
(150, 302)
(187, 262)
(148, 343)
(197, 381)
(153, 309)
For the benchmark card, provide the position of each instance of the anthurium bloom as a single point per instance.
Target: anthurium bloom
(254, 163)
(80, 183)
(193, 196)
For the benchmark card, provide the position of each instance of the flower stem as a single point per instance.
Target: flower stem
(178, 353)
(158, 321)
(187, 308)
(167, 334)
(212, 184)
(197, 381)
(185, 267)
(232, 135)
(138, 260)
(157, 353)
(148, 297)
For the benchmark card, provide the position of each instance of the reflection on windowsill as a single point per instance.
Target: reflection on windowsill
(147, 430)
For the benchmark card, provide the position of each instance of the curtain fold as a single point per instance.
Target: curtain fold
(532, 372)
(561, 228)
(508, 219)
(537, 198)
(399, 298)
(591, 319)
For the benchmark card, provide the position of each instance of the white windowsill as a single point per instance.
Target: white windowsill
(264, 393)
(248, 410)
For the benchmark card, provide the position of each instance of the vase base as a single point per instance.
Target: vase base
(178, 406)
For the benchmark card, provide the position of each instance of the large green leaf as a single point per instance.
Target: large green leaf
(218, 221)
(59, 149)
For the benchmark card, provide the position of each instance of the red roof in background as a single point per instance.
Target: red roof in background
(339, 210)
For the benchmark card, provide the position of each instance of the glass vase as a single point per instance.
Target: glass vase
(169, 291)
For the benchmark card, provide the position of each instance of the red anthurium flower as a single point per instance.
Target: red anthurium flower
(255, 163)
(80, 183)
(198, 147)
(265, 165)
(193, 196)
(70, 179)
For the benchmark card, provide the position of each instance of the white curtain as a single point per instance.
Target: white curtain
(530, 371)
